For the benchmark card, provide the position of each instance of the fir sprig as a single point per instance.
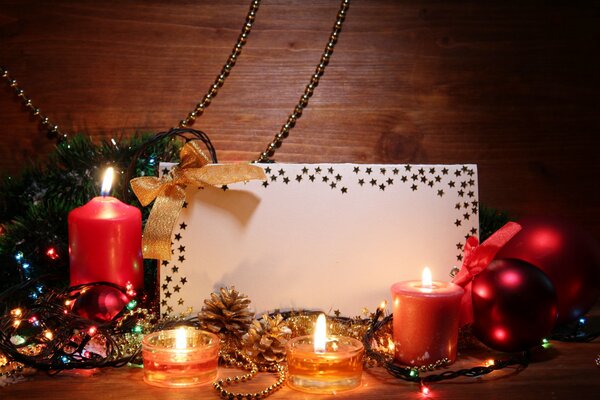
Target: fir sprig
(490, 220)
(34, 205)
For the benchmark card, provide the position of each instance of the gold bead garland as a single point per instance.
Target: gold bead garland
(220, 80)
(310, 87)
(444, 362)
(51, 127)
(55, 132)
(242, 361)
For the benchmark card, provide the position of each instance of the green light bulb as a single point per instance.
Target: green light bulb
(131, 305)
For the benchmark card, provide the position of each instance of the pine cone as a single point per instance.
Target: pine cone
(226, 313)
(266, 339)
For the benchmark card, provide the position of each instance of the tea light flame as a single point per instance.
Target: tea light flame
(426, 280)
(320, 335)
(180, 338)
(391, 346)
(107, 182)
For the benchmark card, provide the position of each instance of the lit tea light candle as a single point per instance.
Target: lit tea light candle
(324, 364)
(105, 241)
(183, 357)
(426, 318)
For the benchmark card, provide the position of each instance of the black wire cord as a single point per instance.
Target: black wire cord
(407, 373)
(187, 134)
(67, 349)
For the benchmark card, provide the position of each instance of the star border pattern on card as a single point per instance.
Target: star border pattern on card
(441, 179)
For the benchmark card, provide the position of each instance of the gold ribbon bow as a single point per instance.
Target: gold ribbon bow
(169, 192)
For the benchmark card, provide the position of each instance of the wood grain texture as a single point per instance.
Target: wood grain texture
(511, 86)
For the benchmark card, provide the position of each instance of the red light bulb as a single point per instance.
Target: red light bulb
(52, 253)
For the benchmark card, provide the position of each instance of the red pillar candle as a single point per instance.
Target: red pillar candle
(426, 317)
(105, 241)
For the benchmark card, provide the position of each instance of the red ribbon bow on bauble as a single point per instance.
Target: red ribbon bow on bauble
(476, 258)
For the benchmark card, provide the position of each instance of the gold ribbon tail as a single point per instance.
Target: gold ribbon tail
(224, 174)
(156, 242)
(168, 194)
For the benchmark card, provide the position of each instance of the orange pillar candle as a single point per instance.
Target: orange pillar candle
(183, 357)
(426, 318)
(324, 364)
(105, 241)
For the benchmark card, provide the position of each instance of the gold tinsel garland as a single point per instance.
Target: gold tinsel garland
(227, 313)
(250, 344)
(261, 342)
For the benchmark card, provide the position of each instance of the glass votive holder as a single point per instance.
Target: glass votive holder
(337, 369)
(183, 357)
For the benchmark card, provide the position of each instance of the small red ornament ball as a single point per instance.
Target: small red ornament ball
(567, 255)
(514, 305)
(100, 303)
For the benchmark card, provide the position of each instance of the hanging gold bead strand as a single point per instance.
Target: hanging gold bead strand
(241, 361)
(220, 80)
(52, 129)
(310, 88)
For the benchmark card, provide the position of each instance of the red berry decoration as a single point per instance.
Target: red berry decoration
(567, 255)
(514, 305)
(100, 303)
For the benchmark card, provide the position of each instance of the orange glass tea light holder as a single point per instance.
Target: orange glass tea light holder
(182, 357)
(426, 318)
(324, 364)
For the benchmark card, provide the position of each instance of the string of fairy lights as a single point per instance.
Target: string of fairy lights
(47, 335)
(39, 328)
(416, 374)
(41, 331)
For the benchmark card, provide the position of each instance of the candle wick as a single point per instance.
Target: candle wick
(426, 281)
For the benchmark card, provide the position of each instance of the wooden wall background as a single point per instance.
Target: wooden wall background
(510, 85)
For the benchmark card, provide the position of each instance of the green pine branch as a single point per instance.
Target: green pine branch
(34, 205)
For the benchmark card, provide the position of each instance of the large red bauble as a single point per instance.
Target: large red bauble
(514, 305)
(100, 303)
(568, 255)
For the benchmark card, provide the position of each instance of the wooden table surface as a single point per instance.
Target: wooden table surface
(563, 371)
